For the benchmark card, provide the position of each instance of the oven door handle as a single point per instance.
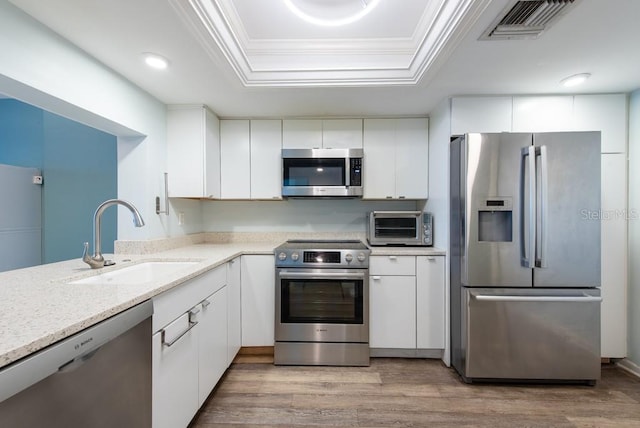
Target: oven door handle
(323, 275)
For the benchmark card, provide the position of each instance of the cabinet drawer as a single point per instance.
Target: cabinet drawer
(392, 265)
(172, 303)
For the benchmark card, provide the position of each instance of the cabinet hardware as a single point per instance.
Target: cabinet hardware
(172, 342)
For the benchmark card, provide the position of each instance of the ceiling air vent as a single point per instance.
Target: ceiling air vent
(526, 19)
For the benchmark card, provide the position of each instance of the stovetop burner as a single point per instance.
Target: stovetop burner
(323, 253)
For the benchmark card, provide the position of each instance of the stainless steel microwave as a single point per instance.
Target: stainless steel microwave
(322, 172)
(411, 228)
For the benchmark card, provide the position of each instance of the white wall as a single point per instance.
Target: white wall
(40, 68)
(438, 203)
(633, 293)
(294, 215)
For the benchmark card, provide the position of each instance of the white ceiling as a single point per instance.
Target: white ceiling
(596, 36)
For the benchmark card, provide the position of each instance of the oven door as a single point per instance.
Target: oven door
(322, 305)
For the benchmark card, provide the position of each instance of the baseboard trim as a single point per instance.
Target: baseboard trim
(629, 366)
(406, 353)
(256, 350)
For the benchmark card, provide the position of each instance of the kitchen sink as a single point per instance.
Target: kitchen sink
(139, 273)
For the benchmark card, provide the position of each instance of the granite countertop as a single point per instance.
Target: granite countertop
(39, 307)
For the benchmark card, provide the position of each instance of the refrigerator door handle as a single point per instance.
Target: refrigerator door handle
(505, 298)
(541, 238)
(528, 194)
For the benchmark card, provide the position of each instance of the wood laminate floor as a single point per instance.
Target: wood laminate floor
(410, 393)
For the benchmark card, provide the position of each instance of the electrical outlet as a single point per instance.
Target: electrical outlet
(180, 219)
(37, 179)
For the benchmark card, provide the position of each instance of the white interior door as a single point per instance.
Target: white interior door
(20, 218)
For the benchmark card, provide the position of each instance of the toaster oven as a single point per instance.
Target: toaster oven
(409, 228)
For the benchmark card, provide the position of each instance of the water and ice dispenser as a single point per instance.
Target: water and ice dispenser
(495, 220)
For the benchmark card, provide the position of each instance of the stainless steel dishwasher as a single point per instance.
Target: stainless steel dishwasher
(99, 377)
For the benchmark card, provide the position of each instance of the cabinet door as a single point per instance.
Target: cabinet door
(175, 374)
(235, 159)
(258, 300)
(212, 342)
(542, 114)
(211, 156)
(605, 113)
(430, 302)
(412, 158)
(342, 133)
(234, 325)
(379, 178)
(614, 213)
(481, 114)
(392, 315)
(302, 134)
(193, 152)
(266, 159)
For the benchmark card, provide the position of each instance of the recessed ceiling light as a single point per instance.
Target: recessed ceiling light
(331, 14)
(575, 80)
(155, 61)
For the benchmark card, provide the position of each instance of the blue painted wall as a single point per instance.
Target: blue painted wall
(79, 166)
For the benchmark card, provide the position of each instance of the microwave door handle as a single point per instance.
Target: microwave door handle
(527, 195)
(541, 244)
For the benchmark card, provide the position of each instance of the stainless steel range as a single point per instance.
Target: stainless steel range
(322, 303)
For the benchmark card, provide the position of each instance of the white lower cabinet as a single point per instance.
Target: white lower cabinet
(430, 302)
(234, 320)
(212, 342)
(258, 300)
(406, 301)
(392, 318)
(175, 374)
(189, 347)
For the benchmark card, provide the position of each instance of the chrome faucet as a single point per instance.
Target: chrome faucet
(97, 261)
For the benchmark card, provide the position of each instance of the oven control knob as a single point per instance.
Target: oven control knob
(282, 256)
(295, 257)
(362, 257)
(348, 258)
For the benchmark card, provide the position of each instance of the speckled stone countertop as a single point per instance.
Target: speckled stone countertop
(39, 307)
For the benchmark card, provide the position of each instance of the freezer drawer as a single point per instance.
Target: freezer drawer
(534, 334)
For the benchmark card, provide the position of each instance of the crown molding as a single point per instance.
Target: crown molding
(330, 62)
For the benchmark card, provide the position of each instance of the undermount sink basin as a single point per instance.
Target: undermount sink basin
(136, 274)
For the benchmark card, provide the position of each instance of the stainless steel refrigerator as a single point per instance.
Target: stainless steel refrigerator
(525, 256)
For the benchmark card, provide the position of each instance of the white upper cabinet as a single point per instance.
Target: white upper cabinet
(235, 159)
(412, 158)
(396, 156)
(301, 134)
(481, 114)
(605, 113)
(379, 174)
(542, 114)
(266, 159)
(193, 152)
(342, 133)
(321, 133)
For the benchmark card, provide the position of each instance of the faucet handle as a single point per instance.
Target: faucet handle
(85, 253)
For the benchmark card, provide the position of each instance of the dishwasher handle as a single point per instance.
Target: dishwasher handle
(73, 364)
(506, 298)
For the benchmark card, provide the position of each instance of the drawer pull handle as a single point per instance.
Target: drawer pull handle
(393, 258)
(376, 278)
(191, 325)
(205, 303)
